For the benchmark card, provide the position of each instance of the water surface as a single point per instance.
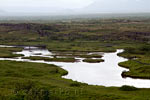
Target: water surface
(106, 73)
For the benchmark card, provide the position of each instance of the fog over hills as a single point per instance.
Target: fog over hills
(71, 7)
(2, 11)
(118, 6)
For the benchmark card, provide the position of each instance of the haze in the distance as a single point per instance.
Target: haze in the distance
(59, 7)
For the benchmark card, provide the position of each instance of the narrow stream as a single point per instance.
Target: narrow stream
(106, 73)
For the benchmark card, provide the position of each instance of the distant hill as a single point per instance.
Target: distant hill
(118, 6)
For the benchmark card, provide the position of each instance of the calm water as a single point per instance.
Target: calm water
(106, 73)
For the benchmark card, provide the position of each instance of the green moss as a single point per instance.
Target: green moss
(51, 59)
(93, 60)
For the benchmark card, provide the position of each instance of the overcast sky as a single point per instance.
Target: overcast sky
(25, 5)
(70, 6)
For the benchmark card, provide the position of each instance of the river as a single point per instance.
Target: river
(106, 73)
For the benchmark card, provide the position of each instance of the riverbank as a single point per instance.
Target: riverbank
(7, 52)
(97, 68)
(139, 62)
(16, 76)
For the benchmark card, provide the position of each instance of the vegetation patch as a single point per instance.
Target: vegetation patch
(75, 84)
(93, 35)
(140, 51)
(138, 69)
(27, 86)
(51, 59)
(90, 56)
(128, 88)
(79, 55)
(30, 91)
(138, 63)
(93, 60)
(8, 52)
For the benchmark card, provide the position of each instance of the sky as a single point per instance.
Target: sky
(119, 6)
(73, 6)
(43, 5)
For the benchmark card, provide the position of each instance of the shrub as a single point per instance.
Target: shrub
(145, 48)
(19, 96)
(128, 88)
(130, 50)
(38, 94)
(75, 84)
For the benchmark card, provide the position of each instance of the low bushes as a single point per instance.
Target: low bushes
(128, 88)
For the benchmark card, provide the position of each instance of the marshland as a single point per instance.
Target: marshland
(106, 59)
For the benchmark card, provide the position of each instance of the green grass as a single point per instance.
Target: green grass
(70, 46)
(79, 46)
(51, 59)
(90, 56)
(77, 54)
(137, 69)
(21, 80)
(93, 60)
(139, 63)
(8, 52)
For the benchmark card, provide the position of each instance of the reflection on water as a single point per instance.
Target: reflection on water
(106, 73)
(35, 52)
(5, 46)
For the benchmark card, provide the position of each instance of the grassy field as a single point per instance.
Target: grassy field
(52, 59)
(30, 81)
(7, 52)
(139, 63)
(137, 69)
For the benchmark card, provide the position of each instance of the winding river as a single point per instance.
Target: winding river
(106, 73)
